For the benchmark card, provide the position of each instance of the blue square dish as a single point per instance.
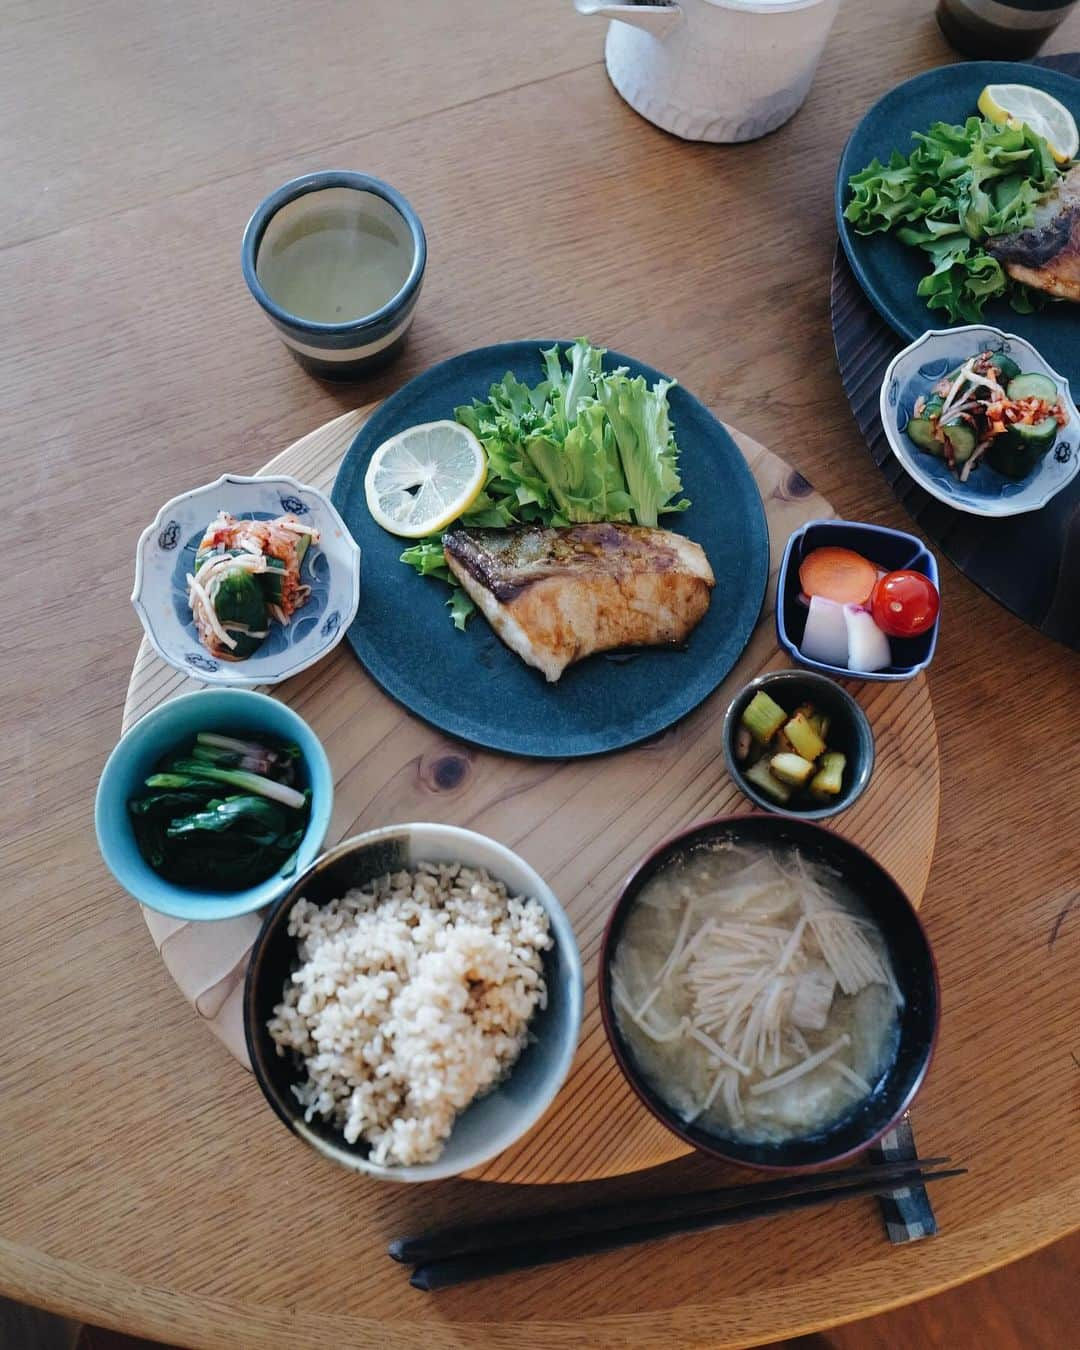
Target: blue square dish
(891, 549)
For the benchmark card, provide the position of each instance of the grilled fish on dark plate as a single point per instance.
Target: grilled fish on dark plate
(557, 594)
(1047, 257)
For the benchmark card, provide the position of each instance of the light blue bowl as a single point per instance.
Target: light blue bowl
(914, 371)
(237, 712)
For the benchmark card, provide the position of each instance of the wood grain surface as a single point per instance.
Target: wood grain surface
(143, 1184)
(584, 823)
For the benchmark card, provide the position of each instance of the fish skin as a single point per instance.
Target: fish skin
(1047, 257)
(555, 595)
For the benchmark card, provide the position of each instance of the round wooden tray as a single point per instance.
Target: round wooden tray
(582, 823)
(1028, 563)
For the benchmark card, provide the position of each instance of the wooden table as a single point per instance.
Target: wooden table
(143, 1183)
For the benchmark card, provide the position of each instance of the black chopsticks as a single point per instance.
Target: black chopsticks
(450, 1256)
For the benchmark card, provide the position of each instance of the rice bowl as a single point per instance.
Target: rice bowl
(412, 998)
(523, 1087)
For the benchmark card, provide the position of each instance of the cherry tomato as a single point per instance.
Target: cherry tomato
(905, 604)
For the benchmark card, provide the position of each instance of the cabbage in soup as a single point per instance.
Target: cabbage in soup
(755, 993)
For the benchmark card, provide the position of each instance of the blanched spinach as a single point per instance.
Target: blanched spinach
(194, 831)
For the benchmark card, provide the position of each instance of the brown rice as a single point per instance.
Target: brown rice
(412, 998)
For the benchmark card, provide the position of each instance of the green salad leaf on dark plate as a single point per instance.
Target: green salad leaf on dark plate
(960, 187)
(584, 444)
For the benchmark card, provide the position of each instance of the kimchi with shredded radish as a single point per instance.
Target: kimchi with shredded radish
(248, 574)
(754, 993)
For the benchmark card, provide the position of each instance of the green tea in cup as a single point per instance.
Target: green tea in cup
(337, 257)
(336, 260)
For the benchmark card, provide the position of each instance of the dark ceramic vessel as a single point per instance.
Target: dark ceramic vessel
(493, 1122)
(912, 961)
(889, 271)
(849, 732)
(469, 684)
(340, 351)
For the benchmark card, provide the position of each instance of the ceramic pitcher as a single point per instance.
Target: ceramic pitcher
(715, 70)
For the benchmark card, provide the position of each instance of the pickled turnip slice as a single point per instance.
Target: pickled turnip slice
(826, 635)
(868, 647)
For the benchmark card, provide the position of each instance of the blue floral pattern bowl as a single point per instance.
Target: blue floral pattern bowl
(986, 493)
(166, 554)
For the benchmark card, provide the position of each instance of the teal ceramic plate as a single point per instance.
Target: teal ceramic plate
(471, 686)
(889, 271)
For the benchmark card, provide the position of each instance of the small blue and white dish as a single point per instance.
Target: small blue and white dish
(915, 370)
(891, 550)
(357, 343)
(166, 554)
(231, 712)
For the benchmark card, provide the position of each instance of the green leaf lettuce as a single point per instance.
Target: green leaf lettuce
(960, 186)
(584, 444)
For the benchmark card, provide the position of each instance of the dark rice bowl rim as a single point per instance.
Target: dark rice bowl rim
(722, 1148)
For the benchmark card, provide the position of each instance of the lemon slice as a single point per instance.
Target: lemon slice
(1014, 104)
(423, 478)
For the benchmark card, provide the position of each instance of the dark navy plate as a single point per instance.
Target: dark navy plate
(889, 271)
(468, 684)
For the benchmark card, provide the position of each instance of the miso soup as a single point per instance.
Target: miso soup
(755, 993)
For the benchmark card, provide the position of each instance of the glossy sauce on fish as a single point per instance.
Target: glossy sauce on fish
(558, 594)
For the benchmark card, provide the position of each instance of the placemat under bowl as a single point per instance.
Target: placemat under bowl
(1028, 563)
(582, 823)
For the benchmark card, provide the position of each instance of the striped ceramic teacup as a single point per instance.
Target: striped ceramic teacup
(360, 341)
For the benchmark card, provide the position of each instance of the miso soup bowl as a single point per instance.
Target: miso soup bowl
(338, 351)
(913, 966)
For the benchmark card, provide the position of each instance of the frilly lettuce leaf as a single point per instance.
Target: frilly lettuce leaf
(581, 445)
(462, 607)
(638, 416)
(960, 186)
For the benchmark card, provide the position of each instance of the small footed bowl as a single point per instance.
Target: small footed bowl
(986, 493)
(849, 733)
(913, 966)
(236, 712)
(166, 554)
(493, 1122)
